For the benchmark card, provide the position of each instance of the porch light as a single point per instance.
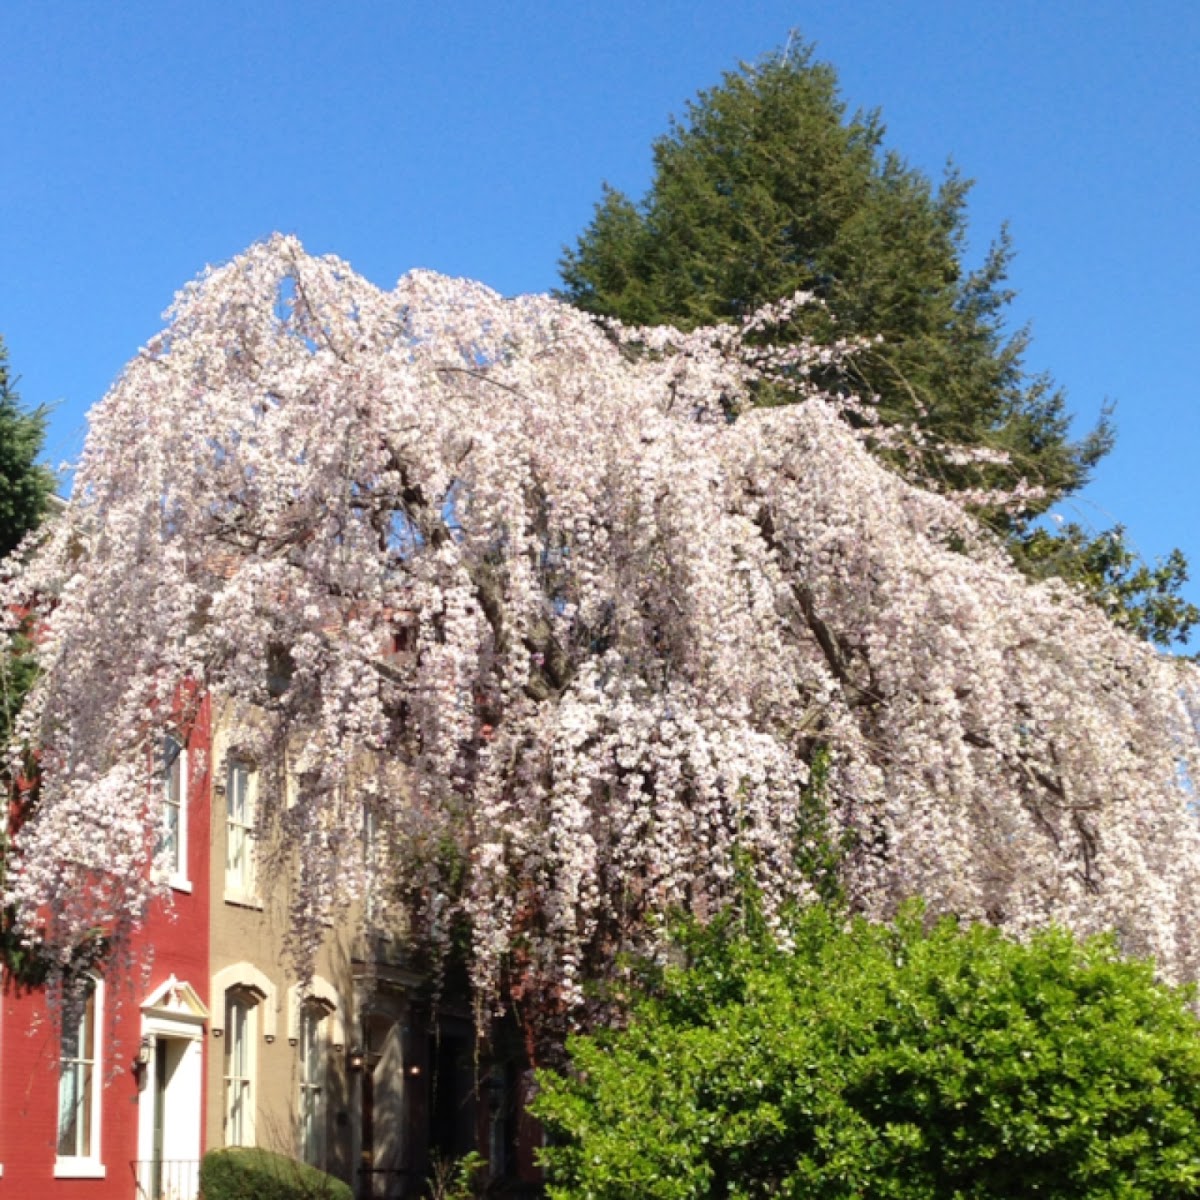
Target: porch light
(141, 1060)
(357, 1058)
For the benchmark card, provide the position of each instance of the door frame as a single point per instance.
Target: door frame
(174, 1013)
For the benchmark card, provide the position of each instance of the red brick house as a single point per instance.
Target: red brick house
(212, 1043)
(108, 1104)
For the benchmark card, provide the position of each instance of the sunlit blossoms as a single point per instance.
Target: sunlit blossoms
(510, 591)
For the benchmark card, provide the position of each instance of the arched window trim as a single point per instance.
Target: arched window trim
(320, 992)
(240, 1068)
(246, 977)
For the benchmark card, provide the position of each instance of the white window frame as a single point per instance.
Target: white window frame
(241, 799)
(86, 1162)
(173, 777)
(239, 1066)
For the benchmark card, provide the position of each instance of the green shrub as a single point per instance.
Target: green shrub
(245, 1173)
(885, 1062)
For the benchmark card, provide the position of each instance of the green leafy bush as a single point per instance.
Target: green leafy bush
(885, 1061)
(244, 1173)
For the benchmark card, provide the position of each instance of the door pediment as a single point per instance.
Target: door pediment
(175, 1000)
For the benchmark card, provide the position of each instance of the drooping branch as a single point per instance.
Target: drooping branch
(572, 637)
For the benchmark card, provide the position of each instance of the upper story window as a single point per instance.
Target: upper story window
(240, 786)
(173, 776)
(79, 1087)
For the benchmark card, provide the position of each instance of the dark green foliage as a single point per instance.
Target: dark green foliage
(244, 1173)
(1142, 598)
(884, 1061)
(458, 1178)
(25, 489)
(17, 672)
(768, 187)
(820, 850)
(25, 484)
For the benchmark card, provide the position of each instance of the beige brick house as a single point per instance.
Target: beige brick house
(347, 1071)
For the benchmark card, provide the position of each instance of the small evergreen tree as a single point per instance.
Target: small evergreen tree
(25, 488)
(25, 484)
(768, 187)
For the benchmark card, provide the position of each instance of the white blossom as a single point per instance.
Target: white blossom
(518, 584)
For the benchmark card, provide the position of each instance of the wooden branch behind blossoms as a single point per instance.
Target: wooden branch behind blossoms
(567, 619)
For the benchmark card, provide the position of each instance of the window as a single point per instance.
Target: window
(174, 810)
(239, 1068)
(239, 832)
(79, 1085)
(312, 1083)
(315, 1025)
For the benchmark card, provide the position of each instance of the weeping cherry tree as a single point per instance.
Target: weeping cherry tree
(546, 604)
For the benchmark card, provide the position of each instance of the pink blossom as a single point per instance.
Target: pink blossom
(633, 621)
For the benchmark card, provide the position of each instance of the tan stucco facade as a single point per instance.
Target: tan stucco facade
(401, 1084)
(250, 966)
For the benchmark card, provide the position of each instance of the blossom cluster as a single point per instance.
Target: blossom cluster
(557, 615)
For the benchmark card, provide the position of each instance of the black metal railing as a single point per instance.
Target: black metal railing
(167, 1178)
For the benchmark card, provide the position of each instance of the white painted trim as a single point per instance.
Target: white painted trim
(249, 1131)
(175, 1003)
(79, 1168)
(244, 975)
(323, 992)
(174, 1012)
(89, 1166)
(179, 879)
(243, 891)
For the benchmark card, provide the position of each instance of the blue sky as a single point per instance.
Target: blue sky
(141, 141)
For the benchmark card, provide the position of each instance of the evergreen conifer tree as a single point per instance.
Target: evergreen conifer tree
(768, 186)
